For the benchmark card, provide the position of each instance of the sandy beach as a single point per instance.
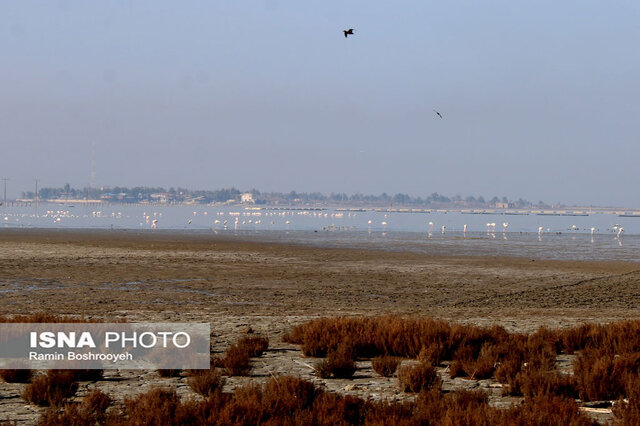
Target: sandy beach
(236, 284)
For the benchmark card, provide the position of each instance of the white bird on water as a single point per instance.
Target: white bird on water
(540, 229)
(444, 228)
(464, 228)
(620, 231)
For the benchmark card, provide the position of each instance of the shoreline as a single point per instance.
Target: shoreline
(203, 238)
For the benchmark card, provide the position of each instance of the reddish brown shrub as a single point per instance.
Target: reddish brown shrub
(245, 407)
(456, 369)
(87, 375)
(627, 412)
(386, 365)
(331, 409)
(601, 375)
(322, 369)
(51, 389)
(415, 378)
(338, 364)
(479, 368)
(17, 375)
(255, 346)
(237, 361)
(288, 394)
(96, 403)
(158, 407)
(508, 369)
(169, 372)
(71, 415)
(619, 337)
(90, 412)
(547, 410)
(532, 384)
(206, 382)
(292, 401)
(432, 354)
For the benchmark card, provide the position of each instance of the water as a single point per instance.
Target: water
(562, 237)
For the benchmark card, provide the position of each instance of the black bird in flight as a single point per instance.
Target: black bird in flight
(437, 113)
(347, 32)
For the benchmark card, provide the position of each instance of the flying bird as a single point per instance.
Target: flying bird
(348, 32)
(437, 113)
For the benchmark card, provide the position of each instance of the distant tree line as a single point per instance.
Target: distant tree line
(140, 194)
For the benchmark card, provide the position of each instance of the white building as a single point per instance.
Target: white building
(247, 198)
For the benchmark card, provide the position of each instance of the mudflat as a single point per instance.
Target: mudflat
(240, 284)
(162, 276)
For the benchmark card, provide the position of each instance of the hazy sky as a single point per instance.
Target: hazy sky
(541, 99)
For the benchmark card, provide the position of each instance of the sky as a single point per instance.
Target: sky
(540, 100)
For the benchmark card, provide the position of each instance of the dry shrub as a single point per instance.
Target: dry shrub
(169, 372)
(601, 375)
(331, 409)
(52, 388)
(456, 369)
(96, 403)
(370, 337)
(432, 354)
(87, 375)
(288, 394)
(237, 361)
(323, 369)
(338, 364)
(619, 337)
(16, 375)
(43, 317)
(245, 407)
(216, 362)
(419, 377)
(508, 369)
(157, 407)
(293, 401)
(255, 346)
(478, 368)
(71, 415)
(385, 365)
(90, 412)
(547, 410)
(627, 412)
(532, 384)
(206, 382)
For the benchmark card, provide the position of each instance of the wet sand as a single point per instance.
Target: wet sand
(234, 284)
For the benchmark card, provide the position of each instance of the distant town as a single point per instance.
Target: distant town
(151, 195)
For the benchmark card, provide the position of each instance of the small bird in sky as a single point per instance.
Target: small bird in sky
(348, 32)
(437, 113)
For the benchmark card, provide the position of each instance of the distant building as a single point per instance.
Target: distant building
(503, 205)
(247, 198)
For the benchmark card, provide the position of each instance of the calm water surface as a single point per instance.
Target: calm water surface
(592, 237)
